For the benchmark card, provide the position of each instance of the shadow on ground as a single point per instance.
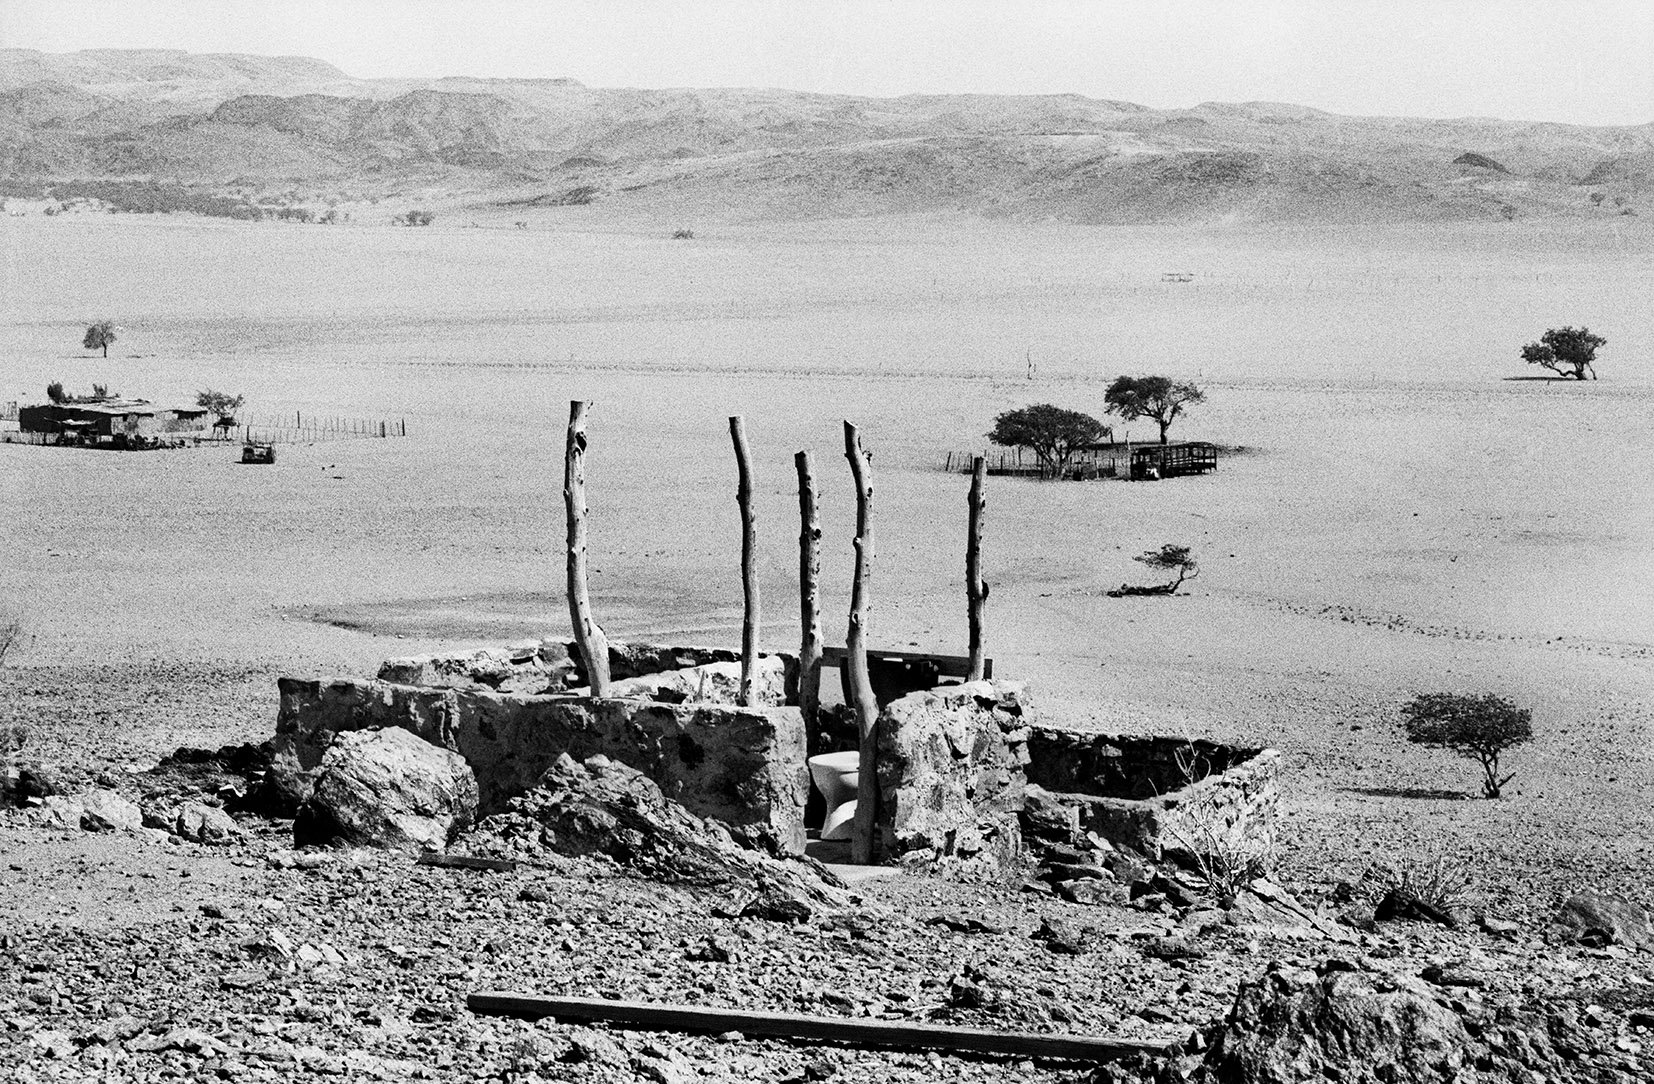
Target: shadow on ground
(1409, 792)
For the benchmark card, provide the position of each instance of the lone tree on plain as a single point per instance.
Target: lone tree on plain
(221, 404)
(1565, 351)
(1171, 559)
(99, 335)
(1052, 433)
(1157, 397)
(1478, 727)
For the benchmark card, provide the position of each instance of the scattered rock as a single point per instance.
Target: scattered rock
(54, 1044)
(109, 811)
(1172, 948)
(1092, 892)
(189, 1040)
(387, 788)
(1046, 817)
(1292, 1025)
(1598, 919)
(1060, 936)
(1263, 903)
(203, 823)
(34, 783)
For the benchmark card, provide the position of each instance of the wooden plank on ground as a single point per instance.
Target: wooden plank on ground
(465, 861)
(857, 1032)
(958, 666)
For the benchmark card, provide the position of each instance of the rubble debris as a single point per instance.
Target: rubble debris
(605, 808)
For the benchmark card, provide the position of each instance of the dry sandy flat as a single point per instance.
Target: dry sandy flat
(1410, 519)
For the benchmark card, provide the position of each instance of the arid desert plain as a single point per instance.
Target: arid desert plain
(1400, 515)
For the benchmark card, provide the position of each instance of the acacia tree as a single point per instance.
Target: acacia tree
(100, 334)
(1565, 351)
(1477, 727)
(221, 404)
(1052, 433)
(1157, 397)
(1171, 558)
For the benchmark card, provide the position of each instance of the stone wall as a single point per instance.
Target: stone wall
(1124, 766)
(744, 766)
(1156, 797)
(951, 772)
(552, 666)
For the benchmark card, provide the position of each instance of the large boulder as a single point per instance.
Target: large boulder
(1599, 919)
(387, 788)
(109, 811)
(1355, 1027)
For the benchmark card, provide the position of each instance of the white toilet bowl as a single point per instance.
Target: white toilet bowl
(837, 775)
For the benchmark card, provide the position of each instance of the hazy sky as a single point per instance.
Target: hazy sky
(1581, 61)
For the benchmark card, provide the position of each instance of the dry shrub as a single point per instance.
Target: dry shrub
(1435, 879)
(1228, 853)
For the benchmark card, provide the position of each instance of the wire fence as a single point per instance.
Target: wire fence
(302, 428)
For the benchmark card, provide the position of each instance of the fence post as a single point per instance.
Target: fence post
(588, 635)
(809, 594)
(749, 559)
(862, 701)
(976, 588)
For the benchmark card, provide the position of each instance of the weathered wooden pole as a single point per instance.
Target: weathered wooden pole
(588, 635)
(862, 701)
(809, 593)
(976, 588)
(749, 558)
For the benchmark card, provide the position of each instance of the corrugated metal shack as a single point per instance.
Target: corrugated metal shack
(114, 423)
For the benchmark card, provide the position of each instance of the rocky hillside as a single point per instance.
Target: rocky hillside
(259, 122)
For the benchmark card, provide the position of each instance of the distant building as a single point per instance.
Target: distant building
(117, 423)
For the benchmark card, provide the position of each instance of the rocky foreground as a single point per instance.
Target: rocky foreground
(152, 934)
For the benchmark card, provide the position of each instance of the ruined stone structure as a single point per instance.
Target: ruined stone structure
(1152, 795)
(956, 762)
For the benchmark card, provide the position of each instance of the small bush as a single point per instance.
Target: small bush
(683, 235)
(1478, 727)
(1434, 880)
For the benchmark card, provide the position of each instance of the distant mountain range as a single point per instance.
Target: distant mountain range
(264, 124)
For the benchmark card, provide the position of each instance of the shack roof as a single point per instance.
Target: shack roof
(122, 407)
